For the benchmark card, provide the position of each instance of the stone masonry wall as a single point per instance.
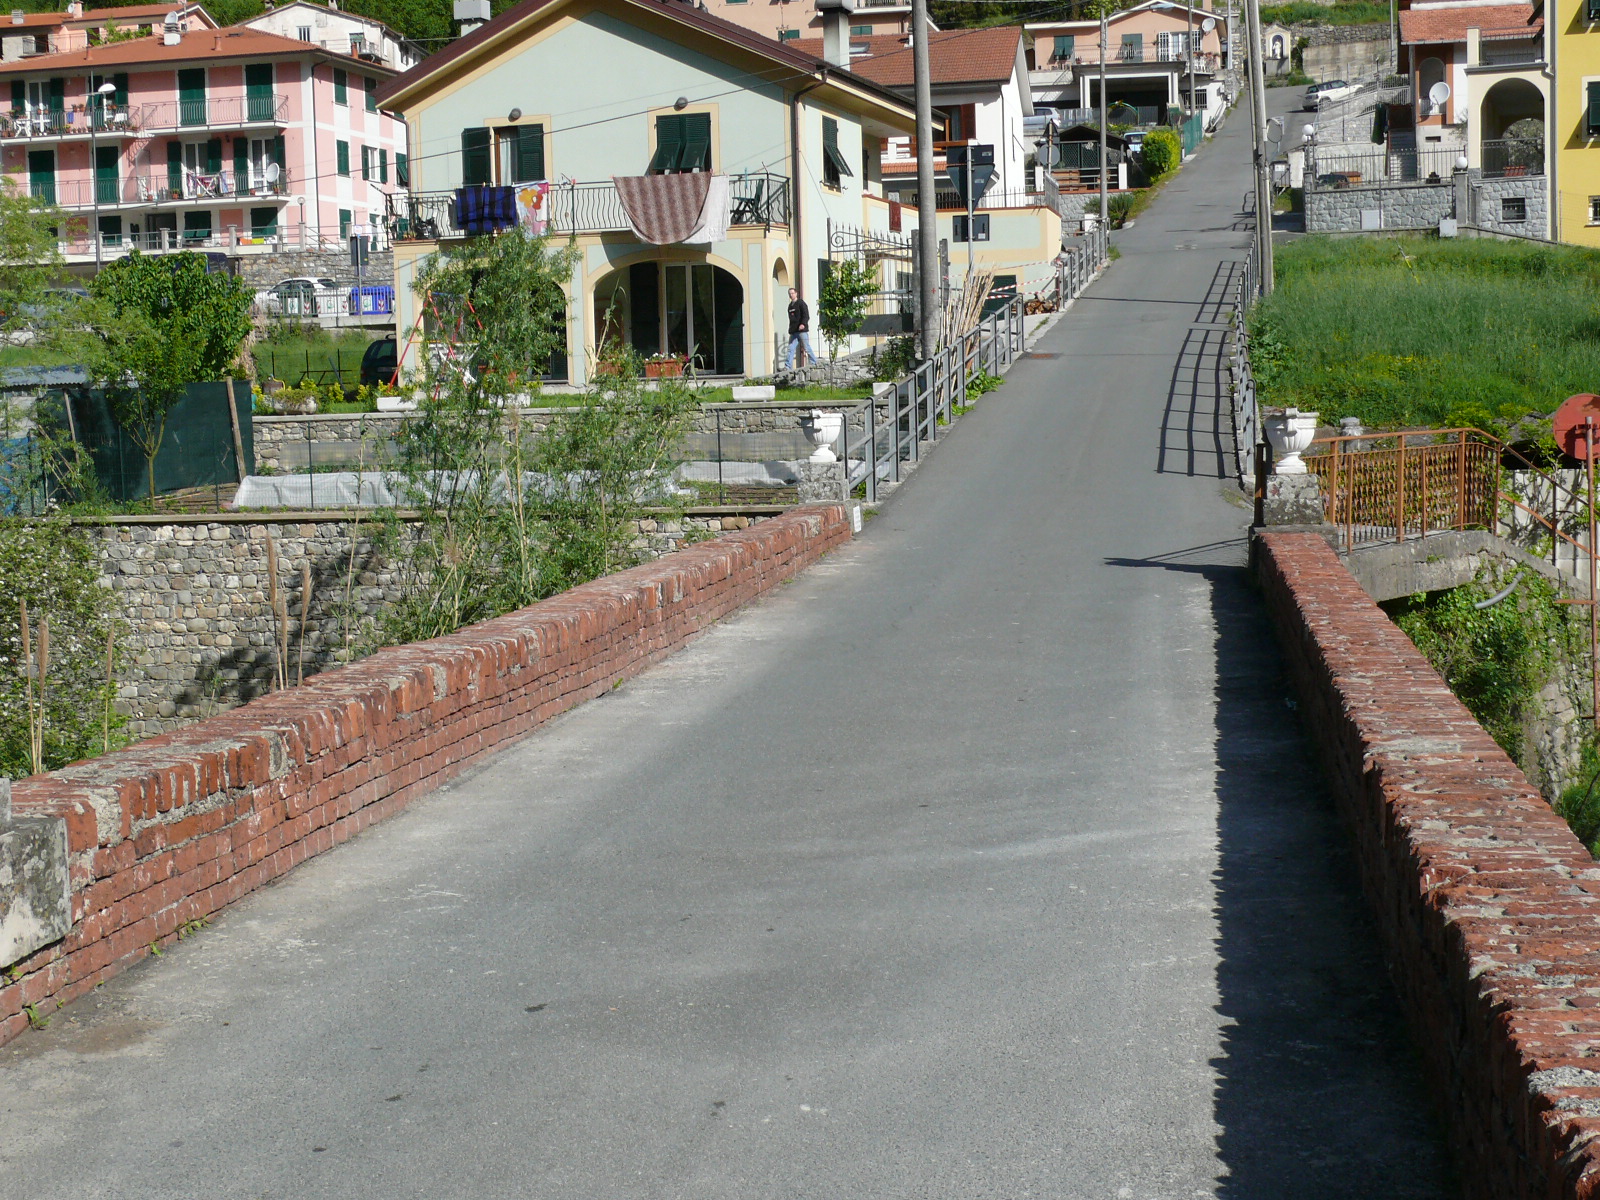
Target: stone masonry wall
(1338, 210)
(175, 828)
(264, 270)
(1488, 906)
(201, 636)
(1533, 190)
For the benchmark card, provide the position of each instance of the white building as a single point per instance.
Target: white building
(329, 28)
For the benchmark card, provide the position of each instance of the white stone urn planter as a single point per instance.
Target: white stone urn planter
(823, 428)
(1290, 433)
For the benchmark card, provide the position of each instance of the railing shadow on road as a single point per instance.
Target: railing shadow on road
(1318, 1090)
(1197, 423)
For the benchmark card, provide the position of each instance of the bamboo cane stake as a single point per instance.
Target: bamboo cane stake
(305, 611)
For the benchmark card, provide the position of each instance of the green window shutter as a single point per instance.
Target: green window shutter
(1594, 108)
(263, 222)
(19, 96)
(402, 170)
(1593, 10)
(258, 91)
(1065, 47)
(341, 151)
(241, 166)
(696, 142)
(788, 35)
(528, 158)
(175, 166)
(107, 186)
(42, 174)
(372, 94)
(383, 166)
(476, 164)
(669, 144)
(366, 162)
(341, 86)
(58, 95)
(120, 82)
(344, 223)
(834, 166)
(213, 156)
(192, 96)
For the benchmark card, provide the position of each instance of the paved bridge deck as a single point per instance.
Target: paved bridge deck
(984, 860)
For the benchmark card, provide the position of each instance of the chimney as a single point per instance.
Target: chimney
(75, 9)
(171, 30)
(471, 14)
(835, 16)
(16, 16)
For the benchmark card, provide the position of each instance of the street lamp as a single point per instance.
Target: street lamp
(105, 91)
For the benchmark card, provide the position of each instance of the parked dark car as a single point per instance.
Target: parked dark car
(380, 363)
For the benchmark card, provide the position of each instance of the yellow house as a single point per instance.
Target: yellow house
(1575, 135)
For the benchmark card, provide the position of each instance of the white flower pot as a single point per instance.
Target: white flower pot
(1290, 433)
(823, 428)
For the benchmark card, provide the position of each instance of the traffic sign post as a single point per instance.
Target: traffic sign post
(971, 169)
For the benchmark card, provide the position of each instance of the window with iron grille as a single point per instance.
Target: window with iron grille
(980, 228)
(1513, 208)
(303, 33)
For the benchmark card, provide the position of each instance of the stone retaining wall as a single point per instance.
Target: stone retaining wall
(175, 828)
(1488, 906)
(1338, 210)
(264, 270)
(194, 594)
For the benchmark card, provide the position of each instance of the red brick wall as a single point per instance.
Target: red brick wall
(1488, 905)
(177, 826)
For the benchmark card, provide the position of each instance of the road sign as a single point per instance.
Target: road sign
(972, 164)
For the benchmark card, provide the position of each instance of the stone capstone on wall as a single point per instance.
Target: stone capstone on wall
(35, 898)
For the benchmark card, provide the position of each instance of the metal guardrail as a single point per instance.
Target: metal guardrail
(1076, 267)
(158, 188)
(132, 119)
(1504, 158)
(1246, 408)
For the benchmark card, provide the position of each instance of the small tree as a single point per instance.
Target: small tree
(843, 303)
(157, 325)
(29, 256)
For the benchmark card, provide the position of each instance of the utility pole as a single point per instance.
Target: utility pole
(1105, 205)
(1263, 165)
(927, 200)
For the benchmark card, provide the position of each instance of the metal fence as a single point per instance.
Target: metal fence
(1390, 168)
(1246, 409)
(1505, 158)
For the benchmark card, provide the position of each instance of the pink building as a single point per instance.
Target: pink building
(212, 138)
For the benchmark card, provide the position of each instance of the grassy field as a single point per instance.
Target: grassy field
(1416, 331)
(1351, 12)
(292, 353)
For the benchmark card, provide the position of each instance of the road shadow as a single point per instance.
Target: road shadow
(1197, 423)
(1319, 1091)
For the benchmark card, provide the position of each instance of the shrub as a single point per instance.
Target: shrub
(1161, 153)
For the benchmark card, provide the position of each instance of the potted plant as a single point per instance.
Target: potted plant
(665, 366)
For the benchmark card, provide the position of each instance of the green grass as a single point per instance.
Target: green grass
(32, 356)
(1415, 331)
(1355, 12)
(814, 394)
(291, 353)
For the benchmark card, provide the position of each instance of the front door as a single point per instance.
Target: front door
(689, 314)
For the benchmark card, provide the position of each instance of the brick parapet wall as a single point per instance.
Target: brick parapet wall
(1489, 907)
(178, 826)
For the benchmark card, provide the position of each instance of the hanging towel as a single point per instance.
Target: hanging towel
(533, 207)
(663, 209)
(481, 209)
(715, 214)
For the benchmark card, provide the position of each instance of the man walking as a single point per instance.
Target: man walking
(799, 329)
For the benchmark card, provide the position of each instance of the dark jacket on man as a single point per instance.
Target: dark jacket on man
(799, 317)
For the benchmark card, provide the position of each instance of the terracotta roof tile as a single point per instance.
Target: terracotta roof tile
(954, 56)
(1429, 25)
(196, 46)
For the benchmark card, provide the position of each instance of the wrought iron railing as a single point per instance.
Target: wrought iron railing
(1390, 487)
(160, 188)
(1508, 157)
(1334, 172)
(114, 119)
(758, 198)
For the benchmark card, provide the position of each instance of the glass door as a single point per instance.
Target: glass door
(689, 314)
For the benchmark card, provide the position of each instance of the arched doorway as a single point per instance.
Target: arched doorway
(1429, 72)
(676, 308)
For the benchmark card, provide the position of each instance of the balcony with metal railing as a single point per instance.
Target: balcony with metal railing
(1514, 49)
(188, 188)
(1505, 158)
(759, 198)
(114, 120)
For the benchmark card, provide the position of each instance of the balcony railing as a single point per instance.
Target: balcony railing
(759, 198)
(1510, 52)
(1204, 60)
(1509, 157)
(212, 112)
(159, 189)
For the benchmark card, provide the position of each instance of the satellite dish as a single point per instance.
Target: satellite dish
(273, 172)
(1208, 25)
(1438, 93)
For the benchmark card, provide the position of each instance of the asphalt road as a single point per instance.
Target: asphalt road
(985, 860)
